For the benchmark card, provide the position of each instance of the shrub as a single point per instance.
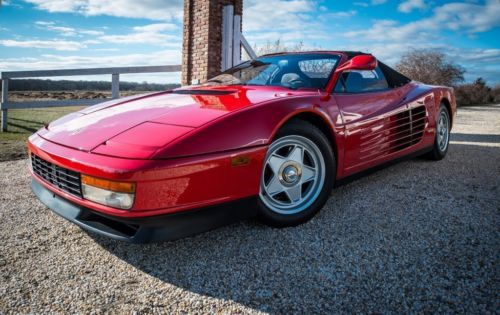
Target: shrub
(495, 94)
(474, 93)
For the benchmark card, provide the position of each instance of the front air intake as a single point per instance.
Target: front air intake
(59, 177)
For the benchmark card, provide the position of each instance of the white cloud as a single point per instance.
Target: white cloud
(92, 42)
(153, 34)
(154, 28)
(290, 21)
(60, 45)
(64, 30)
(473, 17)
(147, 34)
(9, 3)
(467, 17)
(372, 2)
(149, 9)
(338, 15)
(90, 32)
(409, 5)
(277, 14)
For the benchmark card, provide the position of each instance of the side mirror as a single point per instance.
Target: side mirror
(360, 62)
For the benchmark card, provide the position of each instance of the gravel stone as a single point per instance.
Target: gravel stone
(419, 237)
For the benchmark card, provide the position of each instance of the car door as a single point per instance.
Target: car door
(369, 108)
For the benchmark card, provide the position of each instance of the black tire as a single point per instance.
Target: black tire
(306, 130)
(438, 151)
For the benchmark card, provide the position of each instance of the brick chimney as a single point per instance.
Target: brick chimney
(202, 43)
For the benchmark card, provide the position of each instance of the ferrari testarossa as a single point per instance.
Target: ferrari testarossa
(268, 138)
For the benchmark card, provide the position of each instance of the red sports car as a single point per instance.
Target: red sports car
(268, 138)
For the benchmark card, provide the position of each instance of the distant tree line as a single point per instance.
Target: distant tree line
(67, 85)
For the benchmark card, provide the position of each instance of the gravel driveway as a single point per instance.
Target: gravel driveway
(419, 236)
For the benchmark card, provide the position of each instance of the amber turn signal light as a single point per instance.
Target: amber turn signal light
(123, 187)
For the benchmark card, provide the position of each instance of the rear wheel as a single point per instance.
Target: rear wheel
(298, 175)
(442, 140)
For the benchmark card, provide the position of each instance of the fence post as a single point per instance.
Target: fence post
(236, 40)
(227, 37)
(5, 97)
(115, 85)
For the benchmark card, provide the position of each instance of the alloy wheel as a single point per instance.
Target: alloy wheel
(443, 131)
(293, 175)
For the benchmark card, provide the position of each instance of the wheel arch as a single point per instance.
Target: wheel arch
(318, 120)
(447, 104)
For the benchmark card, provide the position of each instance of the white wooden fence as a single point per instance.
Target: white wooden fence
(115, 72)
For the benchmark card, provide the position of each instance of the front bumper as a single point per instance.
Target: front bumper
(147, 229)
(162, 186)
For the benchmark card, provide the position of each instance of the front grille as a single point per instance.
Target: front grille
(60, 177)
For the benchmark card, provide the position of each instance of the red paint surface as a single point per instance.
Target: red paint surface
(178, 147)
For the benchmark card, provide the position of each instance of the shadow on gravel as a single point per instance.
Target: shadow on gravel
(416, 237)
(475, 137)
(480, 108)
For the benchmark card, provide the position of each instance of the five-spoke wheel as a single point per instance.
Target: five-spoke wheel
(297, 176)
(293, 176)
(443, 131)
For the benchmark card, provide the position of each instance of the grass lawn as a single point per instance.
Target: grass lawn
(21, 124)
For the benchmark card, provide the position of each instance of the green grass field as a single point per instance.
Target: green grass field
(21, 124)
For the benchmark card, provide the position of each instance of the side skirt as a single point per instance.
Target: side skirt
(355, 176)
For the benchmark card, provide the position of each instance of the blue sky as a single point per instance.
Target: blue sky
(46, 34)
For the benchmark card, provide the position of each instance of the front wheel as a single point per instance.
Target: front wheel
(298, 175)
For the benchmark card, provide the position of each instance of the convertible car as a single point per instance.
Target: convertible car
(268, 138)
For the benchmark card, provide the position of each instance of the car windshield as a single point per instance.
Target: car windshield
(292, 71)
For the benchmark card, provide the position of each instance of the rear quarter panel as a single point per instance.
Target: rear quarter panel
(372, 139)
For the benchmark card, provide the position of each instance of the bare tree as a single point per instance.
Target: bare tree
(430, 67)
(278, 46)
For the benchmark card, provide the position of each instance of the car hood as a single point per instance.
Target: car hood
(182, 109)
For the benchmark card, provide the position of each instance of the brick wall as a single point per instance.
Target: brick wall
(202, 43)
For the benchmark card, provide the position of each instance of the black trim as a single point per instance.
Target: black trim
(147, 229)
(393, 77)
(202, 92)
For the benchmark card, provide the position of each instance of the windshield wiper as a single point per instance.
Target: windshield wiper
(258, 63)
